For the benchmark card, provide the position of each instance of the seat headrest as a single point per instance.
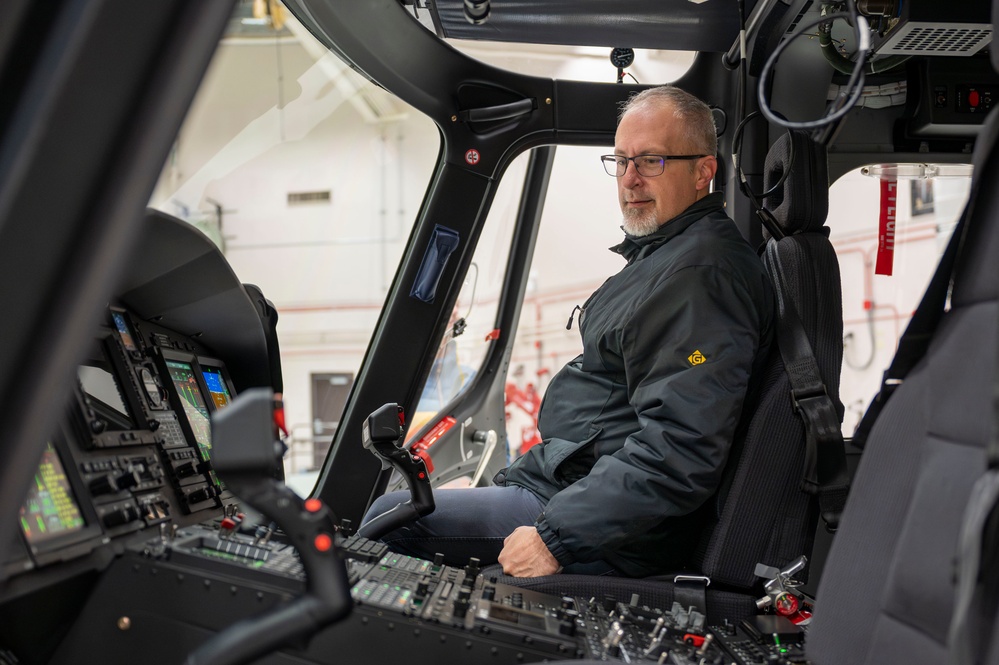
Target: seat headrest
(801, 203)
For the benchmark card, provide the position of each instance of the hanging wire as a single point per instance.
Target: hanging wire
(736, 161)
(843, 104)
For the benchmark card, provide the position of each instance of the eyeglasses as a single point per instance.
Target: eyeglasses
(646, 165)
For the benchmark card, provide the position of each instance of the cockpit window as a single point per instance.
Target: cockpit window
(581, 220)
(877, 307)
(309, 179)
(470, 331)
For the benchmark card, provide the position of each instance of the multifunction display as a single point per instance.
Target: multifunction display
(51, 509)
(183, 378)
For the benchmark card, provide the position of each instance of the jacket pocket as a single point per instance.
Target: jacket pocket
(558, 451)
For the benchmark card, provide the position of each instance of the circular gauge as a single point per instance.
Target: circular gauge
(786, 604)
(622, 57)
(152, 388)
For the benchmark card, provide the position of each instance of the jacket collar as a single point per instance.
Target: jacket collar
(633, 248)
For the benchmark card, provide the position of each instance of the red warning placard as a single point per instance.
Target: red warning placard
(886, 228)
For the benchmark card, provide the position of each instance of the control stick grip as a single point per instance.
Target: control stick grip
(245, 452)
(382, 435)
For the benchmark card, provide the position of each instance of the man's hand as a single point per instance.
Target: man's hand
(525, 554)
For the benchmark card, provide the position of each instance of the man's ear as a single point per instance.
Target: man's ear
(706, 168)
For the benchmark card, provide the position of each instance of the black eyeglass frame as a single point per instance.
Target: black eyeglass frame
(608, 160)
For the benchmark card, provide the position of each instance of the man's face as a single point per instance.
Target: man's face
(649, 202)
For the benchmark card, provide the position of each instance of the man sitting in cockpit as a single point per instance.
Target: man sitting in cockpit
(638, 428)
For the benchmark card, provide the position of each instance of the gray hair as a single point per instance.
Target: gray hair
(694, 114)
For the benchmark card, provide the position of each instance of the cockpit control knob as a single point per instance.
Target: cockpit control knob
(111, 483)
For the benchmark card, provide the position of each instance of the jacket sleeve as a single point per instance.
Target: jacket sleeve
(688, 352)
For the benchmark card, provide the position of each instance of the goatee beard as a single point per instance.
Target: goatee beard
(640, 224)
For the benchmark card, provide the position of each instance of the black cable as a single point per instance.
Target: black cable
(743, 81)
(736, 162)
(839, 108)
(741, 106)
(765, 216)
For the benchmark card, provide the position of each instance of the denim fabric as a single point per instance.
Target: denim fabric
(465, 523)
(468, 523)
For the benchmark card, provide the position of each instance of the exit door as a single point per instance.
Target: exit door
(329, 396)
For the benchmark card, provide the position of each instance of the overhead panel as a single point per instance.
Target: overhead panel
(679, 25)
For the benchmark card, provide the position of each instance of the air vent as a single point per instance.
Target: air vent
(309, 198)
(919, 38)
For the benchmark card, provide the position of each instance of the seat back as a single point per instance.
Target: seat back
(763, 514)
(898, 541)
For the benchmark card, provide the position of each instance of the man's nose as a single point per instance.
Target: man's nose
(631, 176)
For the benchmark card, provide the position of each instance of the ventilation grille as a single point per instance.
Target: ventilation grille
(306, 198)
(922, 38)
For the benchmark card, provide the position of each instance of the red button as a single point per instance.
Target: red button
(313, 505)
(323, 542)
(973, 98)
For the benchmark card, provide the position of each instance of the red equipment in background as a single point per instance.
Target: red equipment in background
(527, 400)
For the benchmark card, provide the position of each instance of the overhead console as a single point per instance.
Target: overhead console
(948, 100)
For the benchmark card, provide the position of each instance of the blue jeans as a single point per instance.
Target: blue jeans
(469, 523)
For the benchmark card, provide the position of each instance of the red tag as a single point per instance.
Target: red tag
(886, 228)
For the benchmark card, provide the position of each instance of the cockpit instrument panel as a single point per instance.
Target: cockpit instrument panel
(133, 452)
(190, 401)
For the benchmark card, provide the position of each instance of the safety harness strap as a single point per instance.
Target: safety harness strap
(825, 473)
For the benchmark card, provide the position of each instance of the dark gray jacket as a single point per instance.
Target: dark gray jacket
(637, 429)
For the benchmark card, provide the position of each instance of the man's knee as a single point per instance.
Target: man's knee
(383, 504)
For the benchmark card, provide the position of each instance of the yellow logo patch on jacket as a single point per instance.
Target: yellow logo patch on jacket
(696, 358)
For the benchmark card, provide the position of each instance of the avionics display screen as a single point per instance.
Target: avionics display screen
(218, 390)
(124, 332)
(50, 510)
(183, 378)
(104, 395)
